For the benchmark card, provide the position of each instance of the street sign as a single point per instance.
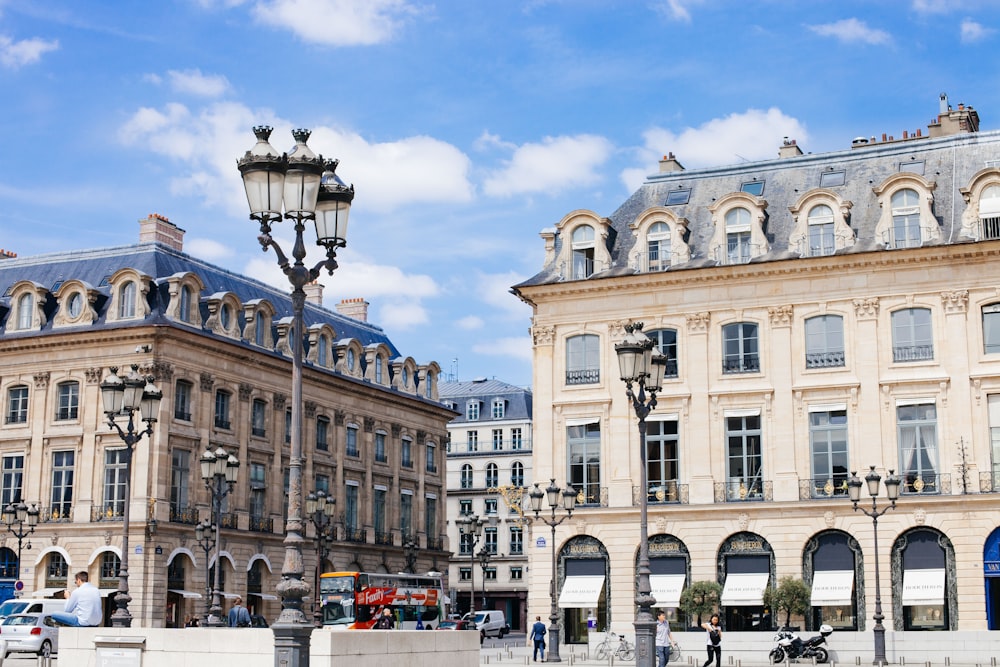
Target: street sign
(18, 585)
(540, 543)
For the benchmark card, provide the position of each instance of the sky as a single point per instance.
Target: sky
(466, 126)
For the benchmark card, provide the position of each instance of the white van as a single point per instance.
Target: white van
(31, 606)
(491, 623)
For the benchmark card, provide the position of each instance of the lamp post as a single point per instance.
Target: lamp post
(410, 548)
(484, 562)
(320, 509)
(892, 482)
(124, 398)
(641, 364)
(204, 534)
(19, 514)
(297, 184)
(553, 493)
(219, 471)
(471, 529)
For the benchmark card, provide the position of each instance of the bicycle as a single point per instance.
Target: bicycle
(625, 650)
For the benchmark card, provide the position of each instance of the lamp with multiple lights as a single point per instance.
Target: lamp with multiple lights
(641, 364)
(131, 396)
(553, 493)
(20, 513)
(204, 535)
(320, 509)
(298, 186)
(873, 481)
(219, 470)
(471, 530)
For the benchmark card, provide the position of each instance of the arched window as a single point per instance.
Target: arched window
(658, 247)
(25, 305)
(905, 219)
(821, 239)
(184, 312)
(110, 563)
(740, 351)
(321, 355)
(583, 359)
(378, 369)
(466, 481)
(583, 252)
(126, 300)
(258, 330)
(57, 571)
(492, 475)
(912, 335)
(824, 341)
(517, 474)
(666, 343)
(738, 250)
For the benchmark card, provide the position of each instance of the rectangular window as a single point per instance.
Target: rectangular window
(351, 446)
(490, 574)
(351, 509)
(115, 476)
(62, 485)
(473, 441)
(677, 197)
(465, 507)
(821, 239)
(583, 359)
(499, 408)
(380, 456)
(258, 418)
(661, 460)
(430, 453)
(912, 335)
(825, 341)
(465, 574)
(222, 409)
(830, 179)
(516, 540)
(584, 445)
(740, 348)
(258, 488)
(490, 537)
(472, 411)
(378, 513)
(322, 434)
(516, 574)
(465, 544)
(406, 453)
(323, 484)
(288, 426)
(406, 514)
(993, 401)
(918, 450)
(430, 518)
(180, 476)
(182, 400)
(755, 188)
(991, 332)
(490, 506)
(744, 461)
(69, 401)
(738, 250)
(516, 441)
(828, 447)
(497, 439)
(13, 479)
(17, 405)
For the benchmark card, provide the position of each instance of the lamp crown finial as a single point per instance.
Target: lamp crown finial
(262, 132)
(301, 135)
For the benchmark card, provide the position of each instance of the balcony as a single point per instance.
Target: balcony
(356, 535)
(520, 445)
(258, 432)
(112, 512)
(669, 492)
(904, 353)
(583, 376)
(436, 545)
(383, 538)
(739, 490)
(825, 359)
(748, 363)
(591, 496)
(261, 524)
(222, 423)
(182, 415)
(925, 484)
(818, 488)
(229, 520)
(56, 513)
(188, 515)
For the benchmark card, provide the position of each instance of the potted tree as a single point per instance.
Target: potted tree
(700, 599)
(790, 596)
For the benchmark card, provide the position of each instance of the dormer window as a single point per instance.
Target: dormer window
(25, 306)
(583, 252)
(499, 408)
(658, 247)
(184, 308)
(905, 220)
(472, 410)
(739, 236)
(126, 300)
(738, 249)
(821, 240)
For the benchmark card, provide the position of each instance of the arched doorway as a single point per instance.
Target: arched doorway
(746, 566)
(583, 570)
(833, 567)
(669, 570)
(991, 573)
(923, 581)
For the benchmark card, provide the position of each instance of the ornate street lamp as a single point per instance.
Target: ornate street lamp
(204, 534)
(471, 529)
(553, 493)
(219, 470)
(410, 549)
(19, 514)
(320, 509)
(124, 398)
(641, 364)
(306, 188)
(892, 482)
(484, 563)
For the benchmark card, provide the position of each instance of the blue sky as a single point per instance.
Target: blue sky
(466, 126)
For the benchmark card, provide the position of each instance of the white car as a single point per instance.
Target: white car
(491, 623)
(30, 633)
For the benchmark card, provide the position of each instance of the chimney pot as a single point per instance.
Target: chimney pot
(159, 229)
(355, 308)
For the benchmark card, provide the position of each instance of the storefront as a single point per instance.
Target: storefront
(832, 557)
(669, 563)
(746, 566)
(923, 567)
(584, 587)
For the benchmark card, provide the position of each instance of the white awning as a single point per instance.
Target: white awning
(832, 587)
(108, 592)
(263, 596)
(666, 588)
(44, 593)
(923, 587)
(228, 596)
(581, 592)
(744, 589)
(189, 595)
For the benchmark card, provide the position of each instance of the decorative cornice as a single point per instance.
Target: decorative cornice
(543, 335)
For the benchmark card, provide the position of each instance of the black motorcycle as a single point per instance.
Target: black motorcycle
(792, 647)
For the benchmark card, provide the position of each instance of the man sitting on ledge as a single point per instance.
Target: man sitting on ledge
(83, 608)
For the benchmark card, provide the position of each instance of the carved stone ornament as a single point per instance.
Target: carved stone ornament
(920, 516)
(698, 322)
(246, 390)
(93, 375)
(781, 316)
(310, 409)
(42, 380)
(543, 335)
(207, 381)
(829, 519)
(866, 308)
(956, 301)
(744, 520)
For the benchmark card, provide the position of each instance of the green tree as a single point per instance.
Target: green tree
(791, 596)
(700, 598)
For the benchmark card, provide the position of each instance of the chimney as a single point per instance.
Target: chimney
(356, 309)
(159, 229)
(669, 163)
(953, 121)
(789, 149)
(7, 254)
(314, 293)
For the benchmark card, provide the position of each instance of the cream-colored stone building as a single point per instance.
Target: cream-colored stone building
(218, 346)
(821, 313)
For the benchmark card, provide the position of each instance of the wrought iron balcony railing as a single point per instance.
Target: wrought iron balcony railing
(739, 490)
(261, 524)
(110, 512)
(188, 515)
(662, 493)
(925, 484)
(824, 359)
(383, 538)
(823, 487)
(583, 376)
(229, 520)
(356, 535)
(58, 513)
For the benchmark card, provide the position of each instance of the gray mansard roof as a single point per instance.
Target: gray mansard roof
(948, 162)
(518, 399)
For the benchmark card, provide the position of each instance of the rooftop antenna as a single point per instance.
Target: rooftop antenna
(454, 370)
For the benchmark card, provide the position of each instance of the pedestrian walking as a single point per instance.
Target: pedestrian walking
(385, 621)
(664, 639)
(239, 616)
(538, 637)
(713, 641)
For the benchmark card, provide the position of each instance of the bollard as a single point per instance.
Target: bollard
(902, 660)
(857, 660)
(947, 661)
(993, 662)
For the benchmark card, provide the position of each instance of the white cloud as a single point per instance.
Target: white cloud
(470, 323)
(677, 10)
(335, 22)
(555, 164)
(752, 135)
(519, 348)
(487, 141)
(494, 290)
(207, 249)
(852, 30)
(933, 6)
(25, 52)
(402, 315)
(193, 82)
(972, 32)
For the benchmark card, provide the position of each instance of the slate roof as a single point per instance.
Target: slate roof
(949, 161)
(158, 261)
(519, 399)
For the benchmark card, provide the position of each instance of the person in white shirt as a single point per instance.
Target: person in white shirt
(84, 608)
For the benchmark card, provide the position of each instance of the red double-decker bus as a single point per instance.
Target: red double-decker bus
(354, 600)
